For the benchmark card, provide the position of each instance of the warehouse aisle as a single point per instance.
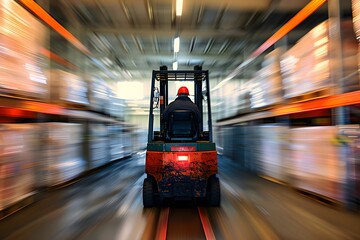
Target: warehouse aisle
(108, 205)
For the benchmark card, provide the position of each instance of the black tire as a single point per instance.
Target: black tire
(213, 193)
(148, 193)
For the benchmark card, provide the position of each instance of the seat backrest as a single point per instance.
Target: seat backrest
(182, 126)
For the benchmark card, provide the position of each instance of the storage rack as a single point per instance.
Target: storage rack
(306, 108)
(238, 132)
(18, 108)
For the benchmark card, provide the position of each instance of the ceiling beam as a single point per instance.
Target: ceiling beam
(192, 44)
(224, 46)
(104, 13)
(166, 56)
(127, 13)
(234, 34)
(219, 17)
(138, 43)
(123, 43)
(156, 45)
(215, 72)
(170, 32)
(209, 45)
(200, 15)
(150, 11)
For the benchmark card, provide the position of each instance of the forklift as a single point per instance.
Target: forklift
(181, 158)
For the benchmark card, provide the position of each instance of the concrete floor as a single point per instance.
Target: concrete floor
(108, 205)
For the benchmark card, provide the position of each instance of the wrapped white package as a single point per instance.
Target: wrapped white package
(17, 162)
(22, 38)
(67, 88)
(306, 67)
(267, 83)
(349, 140)
(356, 17)
(98, 95)
(273, 151)
(98, 145)
(116, 142)
(117, 105)
(62, 153)
(315, 163)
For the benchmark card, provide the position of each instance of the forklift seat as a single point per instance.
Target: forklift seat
(182, 126)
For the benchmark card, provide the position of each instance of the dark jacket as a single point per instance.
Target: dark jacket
(182, 102)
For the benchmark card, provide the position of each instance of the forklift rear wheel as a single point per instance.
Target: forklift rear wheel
(148, 193)
(213, 193)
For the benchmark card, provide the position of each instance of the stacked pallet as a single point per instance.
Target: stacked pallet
(128, 142)
(356, 21)
(17, 164)
(62, 153)
(356, 17)
(98, 145)
(117, 106)
(22, 37)
(273, 145)
(115, 142)
(267, 85)
(243, 98)
(351, 81)
(230, 95)
(306, 67)
(242, 144)
(227, 142)
(99, 95)
(315, 162)
(349, 141)
(67, 89)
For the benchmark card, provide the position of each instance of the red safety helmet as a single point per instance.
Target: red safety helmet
(183, 91)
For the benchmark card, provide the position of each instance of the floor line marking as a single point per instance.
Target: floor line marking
(205, 222)
(163, 224)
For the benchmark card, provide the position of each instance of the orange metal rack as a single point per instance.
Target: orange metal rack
(339, 100)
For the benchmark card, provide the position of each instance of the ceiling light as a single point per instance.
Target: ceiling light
(175, 65)
(176, 44)
(179, 7)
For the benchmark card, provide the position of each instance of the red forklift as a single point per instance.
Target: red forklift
(181, 157)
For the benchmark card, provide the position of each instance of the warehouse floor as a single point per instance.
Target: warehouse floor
(108, 205)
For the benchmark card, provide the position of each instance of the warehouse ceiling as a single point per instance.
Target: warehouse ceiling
(133, 37)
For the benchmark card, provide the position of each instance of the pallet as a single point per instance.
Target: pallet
(320, 198)
(9, 93)
(102, 113)
(274, 180)
(307, 193)
(267, 107)
(70, 105)
(63, 184)
(324, 92)
(15, 207)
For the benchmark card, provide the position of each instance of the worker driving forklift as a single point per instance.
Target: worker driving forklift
(182, 102)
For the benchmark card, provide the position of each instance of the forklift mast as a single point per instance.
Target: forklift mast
(164, 76)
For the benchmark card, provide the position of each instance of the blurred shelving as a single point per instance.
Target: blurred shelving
(24, 108)
(340, 100)
(306, 132)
